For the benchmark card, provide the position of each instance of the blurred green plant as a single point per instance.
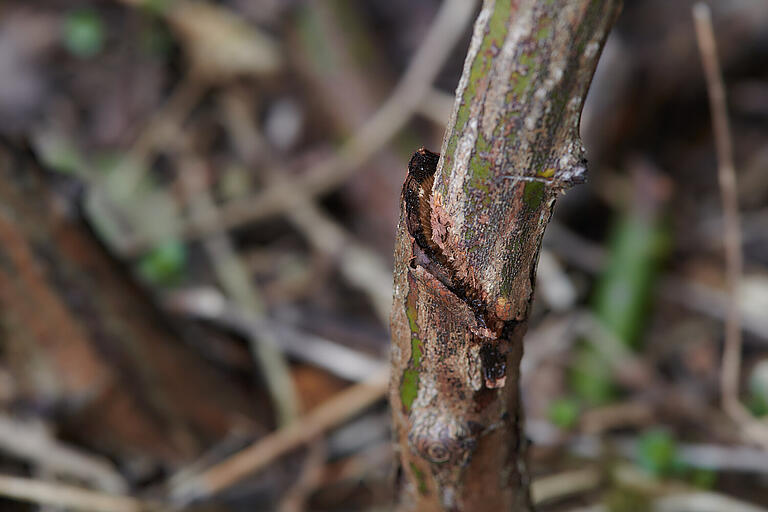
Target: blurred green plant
(61, 155)
(155, 39)
(703, 478)
(165, 264)
(621, 297)
(564, 412)
(757, 405)
(758, 389)
(83, 33)
(637, 246)
(590, 377)
(156, 7)
(657, 453)
(623, 499)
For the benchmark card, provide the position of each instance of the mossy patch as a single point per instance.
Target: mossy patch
(416, 352)
(410, 312)
(480, 166)
(533, 194)
(409, 388)
(492, 42)
(420, 479)
(521, 80)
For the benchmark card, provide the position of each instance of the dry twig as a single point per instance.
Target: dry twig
(557, 486)
(309, 478)
(448, 27)
(333, 357)
(731, 366)
(31, 442)
(710, 301)
(358, 265)
(163, 128)
(258, 455)
(69, 497)
(235, 279)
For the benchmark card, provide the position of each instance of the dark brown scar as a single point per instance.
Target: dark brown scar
(417, 192)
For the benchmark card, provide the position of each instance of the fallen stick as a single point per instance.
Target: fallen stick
(235, 468)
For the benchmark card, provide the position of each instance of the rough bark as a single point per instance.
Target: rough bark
(468, 241)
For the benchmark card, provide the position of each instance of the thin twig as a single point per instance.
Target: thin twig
(359, 464)
(260, 454)
(629, 413)
(33, 444)
(69, 497)
(628, 369)
(701, 501)
(665, 496)
(445, 32)
(164, 126)
(235, 279)
(676, 496)
(731, 459)
(726, 173)
(359, 266)
(727, 178)
(560, 485)
(308, 480)
(711, 301)
(333, 357)
(557, 336)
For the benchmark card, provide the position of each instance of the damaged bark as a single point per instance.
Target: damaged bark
(468, 241)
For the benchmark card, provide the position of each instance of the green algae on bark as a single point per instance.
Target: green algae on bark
(457, 324)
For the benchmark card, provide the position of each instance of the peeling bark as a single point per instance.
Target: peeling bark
(468, 241)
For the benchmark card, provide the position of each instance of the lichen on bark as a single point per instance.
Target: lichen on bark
(462, 297)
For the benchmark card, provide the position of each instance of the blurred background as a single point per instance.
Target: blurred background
(197, 214)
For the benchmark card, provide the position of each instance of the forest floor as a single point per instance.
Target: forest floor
(195, 297)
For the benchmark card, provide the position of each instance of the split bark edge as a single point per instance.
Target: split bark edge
(461, 302)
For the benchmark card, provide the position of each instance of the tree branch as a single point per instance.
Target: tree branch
(468, 242)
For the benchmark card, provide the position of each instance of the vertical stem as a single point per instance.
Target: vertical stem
(468, 243)
(726, 173)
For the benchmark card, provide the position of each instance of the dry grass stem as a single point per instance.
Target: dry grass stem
(308, 480)
(69, 497)
(257, 456)
(448, 27)
(557, 486)
(234, 278)
(726, 173)
(33, 444)
(333, 357)
(362, 268)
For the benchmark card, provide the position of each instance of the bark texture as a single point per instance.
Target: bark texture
(468, 241)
